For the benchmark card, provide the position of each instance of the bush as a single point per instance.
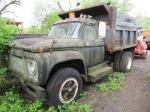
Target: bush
(11, 101)
(6, 32)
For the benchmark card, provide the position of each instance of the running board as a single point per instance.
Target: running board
(98, 74)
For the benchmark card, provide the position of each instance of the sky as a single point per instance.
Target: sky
(141, 6)
(25, 13)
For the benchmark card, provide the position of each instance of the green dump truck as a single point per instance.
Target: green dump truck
(52, 68)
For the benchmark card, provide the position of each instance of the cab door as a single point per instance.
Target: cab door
(94, 46)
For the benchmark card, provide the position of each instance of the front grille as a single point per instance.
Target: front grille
(19, 66)
(16, 64)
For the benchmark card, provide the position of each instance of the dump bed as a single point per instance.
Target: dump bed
(121, 29)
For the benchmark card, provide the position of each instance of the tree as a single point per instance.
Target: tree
(49, 20)
(85, 3)
(46, 7)
(145, 23)
(5, 5)
(139, 18)
(123, 6)
(32, 29)
(46, 11)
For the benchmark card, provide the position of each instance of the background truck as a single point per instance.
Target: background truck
(52, 67)
(141, 48)
(146, 34)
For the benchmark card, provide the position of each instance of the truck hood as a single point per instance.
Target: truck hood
(33, 44)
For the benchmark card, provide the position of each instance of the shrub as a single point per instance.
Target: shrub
(11, 101)
(6, 32)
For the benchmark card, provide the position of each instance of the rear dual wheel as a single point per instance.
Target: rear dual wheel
(123, 61)
(116, 63)
(126, 61)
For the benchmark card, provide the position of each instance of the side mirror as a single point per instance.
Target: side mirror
(102, 29)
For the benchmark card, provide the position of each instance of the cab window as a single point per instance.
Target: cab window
(90, 32)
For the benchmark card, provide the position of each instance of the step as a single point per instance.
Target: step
(96, 75)
(96, 67)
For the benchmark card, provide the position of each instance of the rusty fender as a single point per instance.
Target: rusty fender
(46, 61)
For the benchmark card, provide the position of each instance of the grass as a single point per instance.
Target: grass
(72, 107)
(11, 101)
(148, 75)
(83, 96)
(115, 82)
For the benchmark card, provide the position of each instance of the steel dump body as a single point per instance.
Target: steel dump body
(120, 30)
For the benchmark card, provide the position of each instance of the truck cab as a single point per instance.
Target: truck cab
(84, 34)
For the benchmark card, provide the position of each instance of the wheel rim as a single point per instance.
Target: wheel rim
(129, 62)
(68, 90)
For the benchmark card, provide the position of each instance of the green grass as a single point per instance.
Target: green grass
(115, 82)
(11, 101)
(148, 75)
(72, 107)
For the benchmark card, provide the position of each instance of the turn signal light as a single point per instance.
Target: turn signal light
(40, 49)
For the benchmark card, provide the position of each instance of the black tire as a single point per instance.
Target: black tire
(144, 56)
(126, 61)
(116, 62)
(63, 83)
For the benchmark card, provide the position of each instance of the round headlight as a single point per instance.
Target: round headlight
(31, 67)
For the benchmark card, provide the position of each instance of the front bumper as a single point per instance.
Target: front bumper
(35, 90)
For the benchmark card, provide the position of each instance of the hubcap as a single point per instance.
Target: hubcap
(129, 62)
(68, 90)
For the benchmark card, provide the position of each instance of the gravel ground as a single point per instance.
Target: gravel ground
(134, 96)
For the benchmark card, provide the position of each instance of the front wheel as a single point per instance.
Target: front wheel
(64, 87)
(126, 61)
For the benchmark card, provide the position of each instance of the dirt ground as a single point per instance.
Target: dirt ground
(134, 97)
(135, 94)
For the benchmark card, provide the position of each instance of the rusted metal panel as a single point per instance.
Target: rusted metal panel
(24, 36)
(45, 63)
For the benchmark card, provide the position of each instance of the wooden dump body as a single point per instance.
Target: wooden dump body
(121, 29)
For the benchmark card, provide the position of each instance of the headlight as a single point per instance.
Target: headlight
(31, 66)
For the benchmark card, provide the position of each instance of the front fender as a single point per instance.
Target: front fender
(50, 60)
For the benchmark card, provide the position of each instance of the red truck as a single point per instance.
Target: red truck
(141, 48)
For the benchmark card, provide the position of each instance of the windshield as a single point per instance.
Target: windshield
(65, 30)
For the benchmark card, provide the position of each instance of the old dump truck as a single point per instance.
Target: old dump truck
(52, 67)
